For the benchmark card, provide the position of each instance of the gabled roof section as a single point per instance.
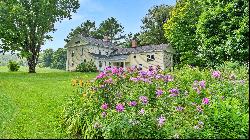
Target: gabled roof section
(92, 41)
(99, 42)
(149, 48)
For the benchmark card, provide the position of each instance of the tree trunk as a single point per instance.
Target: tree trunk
(32, 61)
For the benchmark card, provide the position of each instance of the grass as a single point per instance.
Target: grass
(31, 104)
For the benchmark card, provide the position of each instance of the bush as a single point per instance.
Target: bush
(86, 67)
(186, 103)
(13, 66)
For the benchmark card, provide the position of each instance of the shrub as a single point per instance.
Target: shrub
(86, 67)
(186, 103)
(13, 66)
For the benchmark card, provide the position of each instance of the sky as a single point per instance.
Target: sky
(129, 14)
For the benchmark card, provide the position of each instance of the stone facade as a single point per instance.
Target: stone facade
(104, 53)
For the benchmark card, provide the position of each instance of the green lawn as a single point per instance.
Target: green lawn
(31, 104)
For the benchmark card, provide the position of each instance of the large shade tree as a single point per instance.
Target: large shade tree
(25, 24)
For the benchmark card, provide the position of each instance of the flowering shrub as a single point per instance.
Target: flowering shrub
(186, 103)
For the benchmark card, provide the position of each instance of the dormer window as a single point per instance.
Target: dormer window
(73, 53)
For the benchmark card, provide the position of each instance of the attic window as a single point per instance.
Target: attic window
(77, 42)
(150, 58)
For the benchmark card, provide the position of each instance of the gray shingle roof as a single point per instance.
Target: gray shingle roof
(149, 48)
(110, 58)
(99, 42)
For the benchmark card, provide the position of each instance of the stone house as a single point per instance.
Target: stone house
(104, 53)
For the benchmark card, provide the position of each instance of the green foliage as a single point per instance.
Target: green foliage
(184, 112)
(207, 33)
(180, 30)
(152, 28)
(86, 29)
(109, 27)
(223, 31)
(24, 25)
(13, 66)
(47, 57)
(86, 67)
(59, 59)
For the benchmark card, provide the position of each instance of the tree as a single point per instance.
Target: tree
(206, 33)
(180, 30)
(47, 57)
(128, 40)
(152, 28)
(223, 30)
(112, 29)
(25, 24)
(59, 59)
(86, 29)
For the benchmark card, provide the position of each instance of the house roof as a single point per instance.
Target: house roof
(141, 49)
(110, 58)
(99, 42)
(126, 51)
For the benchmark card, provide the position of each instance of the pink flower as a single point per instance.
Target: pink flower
(132, 103)
(144, 99)
(161, 120)
(104, 106)
(142, 111)
(115, 70)
(119, 107)
(216, 74)
(205, 101)
(110, 80)
(159, 92)
(101, 75)
(202, 84)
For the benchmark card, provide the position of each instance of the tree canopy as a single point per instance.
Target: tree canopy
(25, 24)
(206, 33)
(152, 29)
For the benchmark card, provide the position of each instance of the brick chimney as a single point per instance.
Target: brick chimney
(106, 38)
(134, 43)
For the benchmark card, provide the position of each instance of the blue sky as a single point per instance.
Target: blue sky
(128, 13)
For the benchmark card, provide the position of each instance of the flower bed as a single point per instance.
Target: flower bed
(186, 103)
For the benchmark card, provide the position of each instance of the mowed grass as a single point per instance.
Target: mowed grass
(31, 104)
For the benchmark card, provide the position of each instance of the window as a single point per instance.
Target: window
(134, 56)
(84, 60)
(82, 51)
(105, 63)
(77, 42)
(150, 58)
(72, 63)
(100, 64)
(99, 52)
(140, 66)
(91, 60)
(109, 64)
(107, 53)
(73, 53)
